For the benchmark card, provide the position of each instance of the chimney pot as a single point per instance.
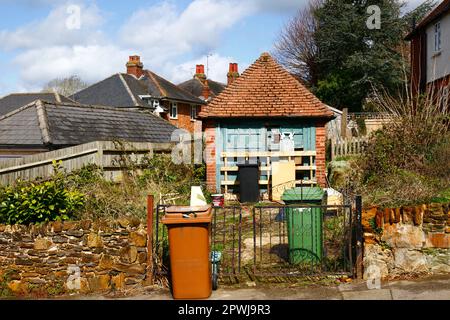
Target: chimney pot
(233, 73)
(135, 66)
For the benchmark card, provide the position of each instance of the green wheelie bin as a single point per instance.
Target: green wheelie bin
(305, 225)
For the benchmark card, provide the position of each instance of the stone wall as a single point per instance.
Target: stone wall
(78, 257)
(406, 240)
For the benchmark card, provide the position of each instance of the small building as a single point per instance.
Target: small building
(42, 126)
(430, 50)
(268, 117)
(144, 89)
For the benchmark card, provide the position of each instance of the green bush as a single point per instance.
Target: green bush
(25, 202)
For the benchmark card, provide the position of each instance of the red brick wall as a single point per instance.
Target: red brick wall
(320, 157)
(210, 154)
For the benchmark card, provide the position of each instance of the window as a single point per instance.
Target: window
(437, 36)
(194, 112)
(173, 110)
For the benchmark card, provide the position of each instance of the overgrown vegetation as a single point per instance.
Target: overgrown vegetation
(407, 161)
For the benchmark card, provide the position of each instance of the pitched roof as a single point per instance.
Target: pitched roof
(439, 11)
(195, 87)
(265, 89)
(62, 124)
(16, 100)
(123, 90)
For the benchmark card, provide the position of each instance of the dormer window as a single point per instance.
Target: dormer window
(437, 37)
(173, 110)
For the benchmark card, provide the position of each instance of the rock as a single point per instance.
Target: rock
(59, 239)
(142, 257)
(118, 281)
(379, 218)
(36, 281)
(377, 262)
(438, 240)
(100, 283)
(75, 233)
(42, 244)
(128, 254)
(403, 236)
(29, 274)
(69, 225)
(367, 217)
(130, 269)
(139, 239)
(23, 262)
(88, 257)
(18, 287)
(397, 214)
(85, 224)
(124, 222)
(418, 217)
(409, 260)
(94, 240)
(447, 229)
(250, 284)
(57, 226)
(106, 262)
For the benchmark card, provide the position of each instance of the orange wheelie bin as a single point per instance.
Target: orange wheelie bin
(189, 250)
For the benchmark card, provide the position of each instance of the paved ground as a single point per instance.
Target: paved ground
(429, 288)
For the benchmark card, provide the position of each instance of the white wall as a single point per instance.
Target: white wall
(438, 65)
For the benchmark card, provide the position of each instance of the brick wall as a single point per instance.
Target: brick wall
(79, 257)
(320, 149)
(184, 116)
(210, 155)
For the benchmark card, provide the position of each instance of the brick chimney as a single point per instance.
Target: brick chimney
(135, 67)
(205, 91)
(233, 73)
(200, 72)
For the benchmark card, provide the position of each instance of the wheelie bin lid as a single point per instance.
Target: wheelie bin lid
(303, 194)
(187, 214)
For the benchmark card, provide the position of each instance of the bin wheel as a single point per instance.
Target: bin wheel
(215, 282)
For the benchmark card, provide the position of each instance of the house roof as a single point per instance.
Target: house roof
(123, 90)
(439, 11)
(62, 124)
(265, 89)
(14, 101)
(195, 87)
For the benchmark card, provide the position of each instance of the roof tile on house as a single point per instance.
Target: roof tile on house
(195, 87)
(266, 89)
(67, 124)
(14, 101)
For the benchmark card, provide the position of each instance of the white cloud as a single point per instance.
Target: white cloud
(278, 5)
(164, 32)
(53, 30)
(91, 63)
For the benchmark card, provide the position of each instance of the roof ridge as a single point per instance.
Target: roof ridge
(43, 122)
(158, 85)
(11, 113)
(127, 87)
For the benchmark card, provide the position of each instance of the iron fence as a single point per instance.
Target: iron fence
(276, 241)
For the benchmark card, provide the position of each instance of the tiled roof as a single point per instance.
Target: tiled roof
(123, 90)
(195, 87)
(16, 100)
(64, 124)
(265, 89)
(440, 10)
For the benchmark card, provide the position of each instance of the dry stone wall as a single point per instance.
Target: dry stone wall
(79, 257)
(406, 240)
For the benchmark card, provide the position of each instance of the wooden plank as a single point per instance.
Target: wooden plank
(243, 154)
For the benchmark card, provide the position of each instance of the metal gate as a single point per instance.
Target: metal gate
(277, 241)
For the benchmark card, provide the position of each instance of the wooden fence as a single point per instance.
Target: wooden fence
(107, 155)
(347, 147)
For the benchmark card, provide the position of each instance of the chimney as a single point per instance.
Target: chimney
(233, 73)
(135, 67)
(205, 91)
(200, 72)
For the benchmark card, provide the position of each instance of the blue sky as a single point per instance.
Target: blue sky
(36, 44)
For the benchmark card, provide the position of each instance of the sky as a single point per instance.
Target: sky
(41, 40)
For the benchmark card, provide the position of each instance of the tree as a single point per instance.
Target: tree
(65, 86)
(329, 46)
(296, 48)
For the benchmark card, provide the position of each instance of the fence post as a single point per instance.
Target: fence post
(359, 237)
(150, 202)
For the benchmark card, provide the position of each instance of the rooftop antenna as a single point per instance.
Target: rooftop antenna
(207, 63)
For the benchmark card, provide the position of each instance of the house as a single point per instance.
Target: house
(430, 50)
(207, 89)
(267, 117)
(144, 89)
(14, 101)
(42, 126)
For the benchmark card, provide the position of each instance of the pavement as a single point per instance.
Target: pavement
(427, 288)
